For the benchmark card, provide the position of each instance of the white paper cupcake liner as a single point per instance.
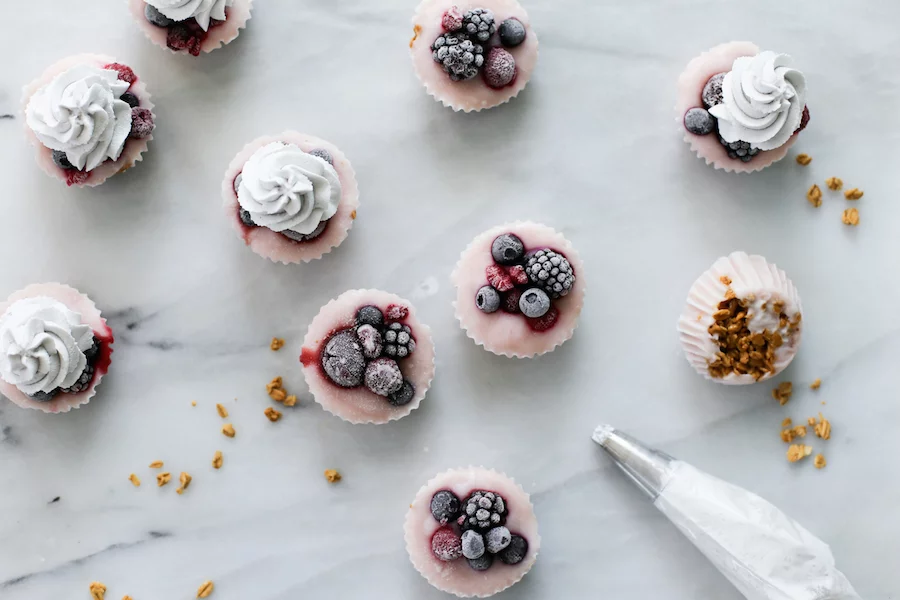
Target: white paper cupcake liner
(220, 35)
(509, 334)
(457, 577)
(90, 315)
(360, 405)
(273, 245)
(474, 94)
(131, 153)
(748, 275)
(689, 90)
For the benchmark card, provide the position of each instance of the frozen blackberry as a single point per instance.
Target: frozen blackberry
(507, 249)
(246, 219)
(482, 564)
(712, 91)
(739, 150)
(305, 237)
(44, 396)
(487, 299)
(323, 154)
(482, 511)
(155, 17)
(61, 160)
(479, 24)
(444, 506)
(371, 341)
(343, 359)
(460, 57)
(398, 341)
(370, 315)
(699, 122)
(383, 376)
(93, 352)
(404, 395)
(473, 544)
(84, 381)
(515, 552)
(550, 271)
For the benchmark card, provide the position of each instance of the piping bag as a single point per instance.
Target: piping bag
(764, 553)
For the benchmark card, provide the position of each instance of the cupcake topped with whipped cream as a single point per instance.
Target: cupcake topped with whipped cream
(191, 26)
(741, 109)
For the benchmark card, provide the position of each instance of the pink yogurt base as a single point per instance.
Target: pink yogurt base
(360, 405)
(689, 90)
(509, 334)
(273, 245)
(457, 577)
(82, 305)
(133, 149)
(474, 94)
(237, 16)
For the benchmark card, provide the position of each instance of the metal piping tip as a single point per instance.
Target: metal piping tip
(649, 469)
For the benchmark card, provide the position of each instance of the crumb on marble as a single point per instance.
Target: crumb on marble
(834, 183)
(272, 414)
(156, 464)
(850, 217)
(206, 588)
(783, 392)
(854, 194)
(217, 460)
(290, 400)
(353, 215)
(814, 196)
(822, 427)
(804, 159)
(815, 384)
(277, 344)
(135, 480)
(797, 452)
(332, 476)
(193, 403)
(223, 412)
(163, 478)
(819, 461)
(127, 597)
(185, 480)
(98, 590)
(787, 422)
(228, 430)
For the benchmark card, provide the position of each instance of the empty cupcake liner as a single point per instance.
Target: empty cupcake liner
(131, 153)
(474, 94)
(273, 245)
(360, 405)
(457, 577)
(220, 35)
(688, 95)
(748, 275)
(90, 315)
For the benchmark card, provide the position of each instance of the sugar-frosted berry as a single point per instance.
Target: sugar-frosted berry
(343, 359)
(323, 154)
(155, 17)
(472, 544)
(446, 545)
(404, 395)
(246, 219)
(444, 506)
(499, 68)
(94, 351)
(370, 338)
(479, 24)
(712, 91)
(515, 552)
(550, 271)
(460, 57)
(452, 19)
(141, 123)
(510, 301)
(84, 381)
(383, 376)
(699, 122)
(124, 72)
(512, 32)
(130, 99)
(804, 119)
(482, 511)
(482, 564)
(497, 539)
(739, 150)
(507, 249)
(61, 160)
(44, 396)
(370, 315)
(487, 299)
(534, 303)
(545, 322)
(398, 341)
(305, 237)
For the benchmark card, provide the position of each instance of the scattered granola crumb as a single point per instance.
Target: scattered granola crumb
(185, 480)
(272, 414)
(811, 421)
(193, 403)
(353, 214)
(797, 452)
(804, 159)
(156, 464)
(332, 476)
(799, 431)
(854, 194)
(819, 461)
(290, 400)
(814, 196)
(127, 597)
(275, 384)
(823, 403)
(228, 430)
(725, 279)
(787, 422)
(217, 460)
(823, 428)
(787, 436)
(834, 183)
(278, 395)
(135, 480)
(851, 217)
(815, 384)
(163, 478)
(205, 589)
(783, 392)
(223, 412)
(98, 590)
(277, 344)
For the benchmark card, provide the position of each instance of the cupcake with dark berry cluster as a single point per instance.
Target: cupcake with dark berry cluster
(191, 26)
(473, 55)
(472, 532)
(54, 348)
(292, 197)
(519, 289)
(741, 109)
(367, 358)
(89, 117)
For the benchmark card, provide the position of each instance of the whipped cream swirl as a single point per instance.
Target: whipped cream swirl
(42, 345)
(81, 114)
(201, 10)
(763, 101)
(284, 188)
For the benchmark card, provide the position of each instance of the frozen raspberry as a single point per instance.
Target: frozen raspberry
(446, 545)
(546, 322)
(518, 275)
(396, 312)
(499, 68)
(185, 35)
(804, 120)
(125, 72)
(74, 177)
(453, 19)
(370, 338)
(383, 376)
(499, 278)
(141, 123)
(511, 301)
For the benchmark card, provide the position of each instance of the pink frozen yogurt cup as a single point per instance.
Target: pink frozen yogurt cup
(236, 19)
(360, 405)
(474, 94)
(81, 304)
(456, 577)
(133, 149)
(273, 245)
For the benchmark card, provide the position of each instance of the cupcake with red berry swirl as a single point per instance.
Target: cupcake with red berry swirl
(741, 109)
(191, 26)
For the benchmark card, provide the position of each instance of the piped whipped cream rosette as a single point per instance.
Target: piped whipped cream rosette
(472, 532)
(89, 117)
(742, 322)
(191, 26)
(54, 348)
(367, 358)
(292, 197)
(472, 55)
(741, 109)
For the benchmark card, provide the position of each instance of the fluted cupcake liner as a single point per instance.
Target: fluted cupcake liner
(220, 35)
(90, 315)
(273, 245)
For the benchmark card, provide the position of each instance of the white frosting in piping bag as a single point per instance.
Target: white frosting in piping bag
(201, 10)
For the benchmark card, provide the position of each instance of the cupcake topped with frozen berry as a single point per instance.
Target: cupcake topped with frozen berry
(472, 532)
(520, 289)
(89, 118)
(473, 55)
(741, 109)
(191, 26)
(367, 358)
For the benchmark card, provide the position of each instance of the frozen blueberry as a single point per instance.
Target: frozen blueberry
(512, 32)
(446, 545)
(44, 396)
(515, 552)
(370, 338)
(444, 506)
(699, 122)
(323, 154)
(61, 160)
(507, 249)
(383, 376)
(343, 359)
(305, 237)
(534, 303)
(404, 395)
(246, 219)
(487, 299)
(130, 99)
(155, 17)
(482, 564)
(499, 68)
(712, 91)
(141, 123)
(497, 539)
(472, 544)
(370, 315)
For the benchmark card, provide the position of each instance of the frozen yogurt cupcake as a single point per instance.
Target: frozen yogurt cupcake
(292, 197)
(741, 109)
(191, 26)
(367, 358)
(472, 532)
(519, 289)
(742, 321)
(89, 117)
(473, 55)
(54, 348)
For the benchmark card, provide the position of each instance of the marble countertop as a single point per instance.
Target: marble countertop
(589, 147)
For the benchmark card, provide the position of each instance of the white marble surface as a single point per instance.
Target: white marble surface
(591, 148)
